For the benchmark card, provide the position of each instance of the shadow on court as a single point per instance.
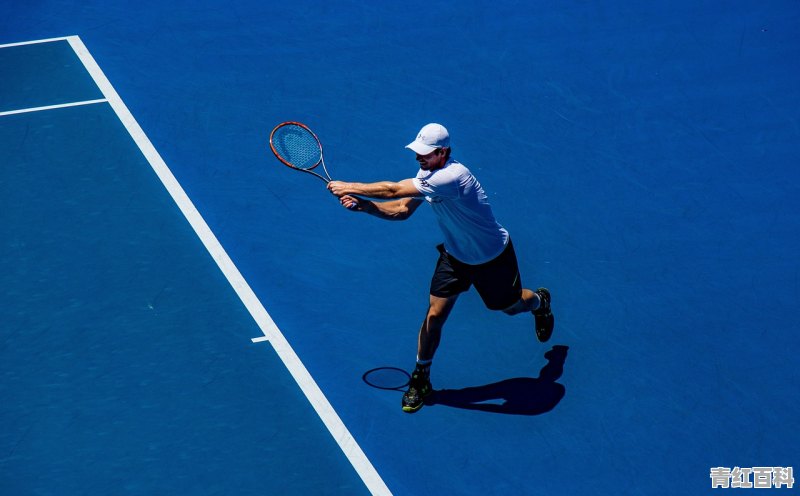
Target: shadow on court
(518, 396)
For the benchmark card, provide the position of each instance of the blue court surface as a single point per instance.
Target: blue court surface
(182, 314)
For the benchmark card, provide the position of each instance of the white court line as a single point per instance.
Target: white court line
(47, 40)
(318, 401)
(50, 107)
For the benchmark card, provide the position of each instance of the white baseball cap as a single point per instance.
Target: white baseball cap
(430, 137)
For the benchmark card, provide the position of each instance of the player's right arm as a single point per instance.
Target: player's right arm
(382, 190)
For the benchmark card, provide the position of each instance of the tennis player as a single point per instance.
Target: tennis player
(477, 250)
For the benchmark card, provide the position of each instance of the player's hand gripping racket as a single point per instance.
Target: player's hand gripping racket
(298, 147)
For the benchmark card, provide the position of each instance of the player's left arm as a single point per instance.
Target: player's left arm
(383, 190)
(400, 209)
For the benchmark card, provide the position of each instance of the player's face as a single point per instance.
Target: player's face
(432, 161)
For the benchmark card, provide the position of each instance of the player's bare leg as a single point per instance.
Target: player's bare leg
(430, 334)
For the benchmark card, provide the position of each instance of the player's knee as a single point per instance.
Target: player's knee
(435, 317)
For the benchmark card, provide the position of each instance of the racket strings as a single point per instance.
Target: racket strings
(297, 146)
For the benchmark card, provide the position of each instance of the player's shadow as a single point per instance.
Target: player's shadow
(518, 396)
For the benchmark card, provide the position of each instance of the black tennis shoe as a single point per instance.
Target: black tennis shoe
(543, 316)
(418, 388)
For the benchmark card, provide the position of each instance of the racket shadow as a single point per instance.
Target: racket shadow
(517, 396)
(387, 378)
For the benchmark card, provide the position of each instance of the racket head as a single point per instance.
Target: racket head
(295, 145)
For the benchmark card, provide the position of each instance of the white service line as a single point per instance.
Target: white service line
(318, 401)
(51, 107)
(34, 42)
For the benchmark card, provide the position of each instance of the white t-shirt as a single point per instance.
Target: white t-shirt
(471, 233)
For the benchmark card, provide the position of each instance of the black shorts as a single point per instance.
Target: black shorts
(497, 281)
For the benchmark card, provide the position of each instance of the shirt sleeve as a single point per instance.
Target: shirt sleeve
(439, 184)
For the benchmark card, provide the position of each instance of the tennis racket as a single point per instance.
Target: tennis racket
(296, 146)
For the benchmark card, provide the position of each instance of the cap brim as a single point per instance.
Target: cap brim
(420, 148)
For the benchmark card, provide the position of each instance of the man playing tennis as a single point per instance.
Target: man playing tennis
(477, 250)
